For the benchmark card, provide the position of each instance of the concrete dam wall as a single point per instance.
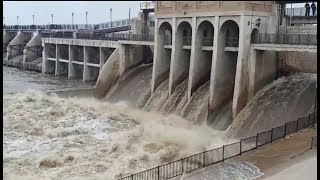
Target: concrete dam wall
(277, 100)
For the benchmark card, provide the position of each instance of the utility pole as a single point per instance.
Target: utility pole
(18, 20)
(33, 19)
(51, 18)
(3, 22)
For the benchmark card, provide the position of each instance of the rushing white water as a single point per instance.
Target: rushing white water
(284, 100)
(58, 138)
(51, 137)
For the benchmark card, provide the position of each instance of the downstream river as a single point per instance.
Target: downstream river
(17, 80)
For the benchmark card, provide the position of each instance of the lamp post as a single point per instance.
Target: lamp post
(18, 20)
(3, 22)
(72, 19)
(51, 18)
(129, 21)
(86, 19)
(33, 19)
(111, 17)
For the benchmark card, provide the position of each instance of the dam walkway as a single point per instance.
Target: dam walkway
(268, 159)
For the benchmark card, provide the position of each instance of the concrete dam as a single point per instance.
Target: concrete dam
(201, 75)
(204, 69)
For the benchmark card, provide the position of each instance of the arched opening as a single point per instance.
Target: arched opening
(230, 30)
(254, 35)
(163, 55)
(225, 66)
(203, 55)
(185, 33)
(180, 66)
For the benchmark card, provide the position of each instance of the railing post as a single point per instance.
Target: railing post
(297, 125)
(240, 146)
(131, 176)
(158, 172)
(183, 165)
(309, 120)
(285, 130)
(257, 140)
(299, 39)
(222, 153)
(308, 39)
(203, 158)
(271, 135)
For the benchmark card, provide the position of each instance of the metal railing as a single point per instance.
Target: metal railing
(298, 12)
(101, 36)
(100, 26)
(186, 41)
(232, 42)
(292, 39)
(210, 157)
(117, 23)
(207, 41)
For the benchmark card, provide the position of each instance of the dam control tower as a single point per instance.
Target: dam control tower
(210, 41)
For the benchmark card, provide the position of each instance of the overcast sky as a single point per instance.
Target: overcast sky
(98, 11)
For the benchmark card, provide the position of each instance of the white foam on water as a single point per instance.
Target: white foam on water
(46, 136)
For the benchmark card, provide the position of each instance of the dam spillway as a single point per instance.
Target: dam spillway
(230, 56)
(214, 71)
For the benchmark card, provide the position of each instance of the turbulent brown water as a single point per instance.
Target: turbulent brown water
(284, 100)
(176, 100)
(133, 88)
(50, 137)
(158, 98)
(61, 138)
(196, 109)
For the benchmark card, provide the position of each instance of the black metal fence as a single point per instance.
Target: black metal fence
(313, 142)
(292, 39)
(207, 158)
